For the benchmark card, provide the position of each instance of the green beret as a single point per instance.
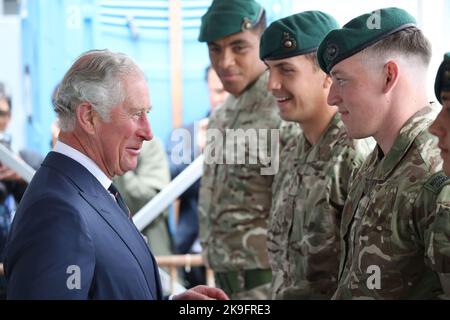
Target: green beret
(297, 34)
(227, 17)
(360, 33)
(442, 82)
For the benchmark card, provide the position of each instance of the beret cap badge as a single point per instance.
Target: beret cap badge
(331, 52)
(288, 42)
(246, 24)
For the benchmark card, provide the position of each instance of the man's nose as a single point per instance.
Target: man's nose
(145, 130)
(273, 83)
(334, 97)
(227, 59)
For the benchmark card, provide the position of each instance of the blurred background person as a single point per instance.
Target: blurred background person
(12, 186)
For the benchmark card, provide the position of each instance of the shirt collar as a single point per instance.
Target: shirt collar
(85, 161)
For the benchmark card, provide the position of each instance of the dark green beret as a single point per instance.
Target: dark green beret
(360, 33)
(297, 34)
(227, 17)
(442, 82)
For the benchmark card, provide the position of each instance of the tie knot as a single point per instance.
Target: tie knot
(112, 188)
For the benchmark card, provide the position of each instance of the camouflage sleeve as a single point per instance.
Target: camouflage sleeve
(436, 226)
(439, 239)
(205, 195)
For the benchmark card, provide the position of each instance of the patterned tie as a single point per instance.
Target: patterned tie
(112, 188)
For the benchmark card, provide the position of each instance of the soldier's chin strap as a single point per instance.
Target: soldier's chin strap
(445, 283)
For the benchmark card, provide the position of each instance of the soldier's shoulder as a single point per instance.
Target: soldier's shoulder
(429, 152)
(437, 182)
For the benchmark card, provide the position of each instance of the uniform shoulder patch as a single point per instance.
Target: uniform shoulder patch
(437, 181)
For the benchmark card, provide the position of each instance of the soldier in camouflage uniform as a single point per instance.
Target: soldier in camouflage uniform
(395, 224)
(441, 129)
(235, 199)
(441, 126)
(311, 187)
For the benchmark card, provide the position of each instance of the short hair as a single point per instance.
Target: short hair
(95, 77)
(312, 56)
(409, 42)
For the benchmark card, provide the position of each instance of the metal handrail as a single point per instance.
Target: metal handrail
(169, 194)
(184, 260)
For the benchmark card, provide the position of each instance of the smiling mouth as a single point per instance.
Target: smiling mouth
(135, 150)
(283, 99)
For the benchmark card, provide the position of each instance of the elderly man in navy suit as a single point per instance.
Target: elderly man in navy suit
(72, 236)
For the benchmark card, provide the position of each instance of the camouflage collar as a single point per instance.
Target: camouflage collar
(255, 92)
(408, 133)
(321, 150)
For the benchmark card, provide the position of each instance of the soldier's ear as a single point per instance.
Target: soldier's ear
(327, 82)
(390, 74)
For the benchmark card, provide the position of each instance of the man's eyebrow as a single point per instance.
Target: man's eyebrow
(138, 109)
(238, 42)
(335, 73)
(283, 64)
(232, 43)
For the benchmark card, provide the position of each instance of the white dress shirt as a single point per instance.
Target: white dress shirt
(85, 161)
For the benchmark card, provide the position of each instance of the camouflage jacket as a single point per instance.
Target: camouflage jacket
(393, 247)
(303, 235)
(235, 199)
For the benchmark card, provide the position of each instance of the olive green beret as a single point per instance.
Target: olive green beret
(227, 17)
(360, 33)
(297, 34)
(442, 82)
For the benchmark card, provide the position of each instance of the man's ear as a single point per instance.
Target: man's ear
(85, 117)
(391, 75)
(327, 82)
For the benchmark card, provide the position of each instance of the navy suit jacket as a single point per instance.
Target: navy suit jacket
(70, 240)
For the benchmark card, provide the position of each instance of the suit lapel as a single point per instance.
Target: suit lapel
(98, 197)
(125, 229)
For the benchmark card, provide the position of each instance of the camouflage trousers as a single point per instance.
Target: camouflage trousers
(258, 293)
(245, 285)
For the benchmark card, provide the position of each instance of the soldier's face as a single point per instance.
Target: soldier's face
(357, 91)
(236, 60)
(299, 86)
(441, 129)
